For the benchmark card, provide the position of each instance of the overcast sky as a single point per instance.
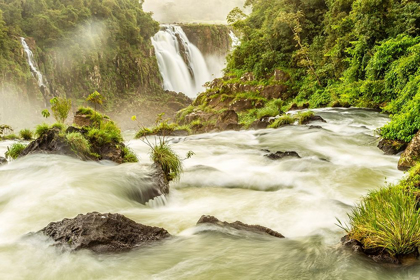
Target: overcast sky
(170, 11)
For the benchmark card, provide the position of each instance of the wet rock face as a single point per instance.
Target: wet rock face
(314, 119)
(411, 155)
(280, 155)
(206, 219)
(3, 161)
(103, 233)
(49, 143)
(391, 147)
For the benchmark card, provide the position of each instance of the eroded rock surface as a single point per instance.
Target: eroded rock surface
(206, 219)
(103, 233)
(391, 147)
(411, 155)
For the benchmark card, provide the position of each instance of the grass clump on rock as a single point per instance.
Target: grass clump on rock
(129, 155)
(79, 144)
(282, 121)
(15, 150)
(26, 134)
(170, 162)
(387, 220)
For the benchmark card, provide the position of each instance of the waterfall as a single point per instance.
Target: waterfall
(235, 40)
(181, 64)
(34, 70)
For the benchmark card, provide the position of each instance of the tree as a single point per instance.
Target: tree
(60, 107)
(95, 98)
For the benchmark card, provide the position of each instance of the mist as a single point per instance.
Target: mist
(187, 11)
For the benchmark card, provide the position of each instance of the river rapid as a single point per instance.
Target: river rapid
(228, 177)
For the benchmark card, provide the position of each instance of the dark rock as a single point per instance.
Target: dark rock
(248, 77)
(228, 116)
(72, 129)
(295, 107)
(154, 185)
(51, 142)
(276, 91)
(3, 161)
(103, 233)
(314, 119)
(241, 105)
(391, 147)
(280, 155)
(315, 127)
(411, 155)
(377, 255)
(259, 125)
(281, 76)
(205, 219)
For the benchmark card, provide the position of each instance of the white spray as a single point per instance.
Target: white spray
(181, 64)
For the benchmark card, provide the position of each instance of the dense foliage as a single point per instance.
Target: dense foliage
(356, 52)
(81, 46)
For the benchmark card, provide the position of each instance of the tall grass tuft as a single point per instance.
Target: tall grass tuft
(281, 121)
(387, 219)
(171, 163)
(79, 144)
(26, 134)
(15, 150)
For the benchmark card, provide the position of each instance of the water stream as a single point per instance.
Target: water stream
(182, 66)
(228, 177)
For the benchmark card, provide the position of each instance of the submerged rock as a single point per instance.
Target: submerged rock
(391, 147)
(156, 185)
(103, 233)
(3, 161)
(206, 219)
(280, 155)
(411, 155)
(314, 119)
(378, 255)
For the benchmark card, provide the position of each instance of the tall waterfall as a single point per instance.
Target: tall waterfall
(181, 64)
(34, 70)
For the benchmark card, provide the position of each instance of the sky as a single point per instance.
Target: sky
(189, 11)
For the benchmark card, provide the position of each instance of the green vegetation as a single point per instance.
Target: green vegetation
(80, 46)
(60, 107)
(15, 150)
(129, 155)
(26, 134)
(41, 129)
(170, 162)
(360, 53)
(388, 219)
(282, 121)
(95, 98)
(79, 144)
(107, 133)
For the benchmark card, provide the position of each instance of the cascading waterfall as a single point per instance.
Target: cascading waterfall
(34, 69)
(181, 64)
(235, 40)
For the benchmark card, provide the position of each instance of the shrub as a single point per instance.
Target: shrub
(171, 164)
(129, 155)
(387, 219)
(79, 144)
(60, 108)
(15, 150)
(41, 129)
(4, 128)
(108, 133)
(303, 117)
(11, 137)
(26, 134)
(60, 126)
(282, 121)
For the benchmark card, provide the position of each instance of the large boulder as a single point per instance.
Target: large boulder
(391, 147)
(228, 120)
(52, 142)
(411, 155)
(206, 219)
(102, 233)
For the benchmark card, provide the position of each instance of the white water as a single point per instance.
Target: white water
(32, 64)
(179, 75)
(235, 40)
(228, 177)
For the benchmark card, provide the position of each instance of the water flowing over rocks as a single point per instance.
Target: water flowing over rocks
(206, 219)
(314, 119)
(3, 161)
(411, 155)
(103, 233)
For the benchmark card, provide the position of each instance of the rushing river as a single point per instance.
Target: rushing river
(228, 177)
